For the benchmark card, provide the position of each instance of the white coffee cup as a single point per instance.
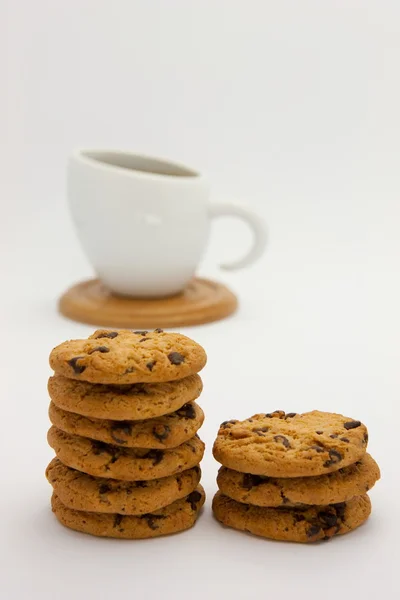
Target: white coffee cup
(144, 222)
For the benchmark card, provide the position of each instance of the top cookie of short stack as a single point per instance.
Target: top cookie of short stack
(123, 357)
(283, 444)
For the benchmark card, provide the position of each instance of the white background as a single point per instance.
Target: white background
(292, 106)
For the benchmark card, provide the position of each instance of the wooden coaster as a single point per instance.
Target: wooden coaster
(203, 301)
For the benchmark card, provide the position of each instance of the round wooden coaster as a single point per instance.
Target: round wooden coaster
(203, 301)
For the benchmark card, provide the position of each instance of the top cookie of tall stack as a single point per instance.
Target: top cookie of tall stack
(126, 357)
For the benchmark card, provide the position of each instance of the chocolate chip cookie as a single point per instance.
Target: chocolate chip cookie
(131, 402)
(309, 524)
(167, 431)
(284, 445)
(124, 357)
(178, 516)
(339, 486)
(128, 464)
(95, 494)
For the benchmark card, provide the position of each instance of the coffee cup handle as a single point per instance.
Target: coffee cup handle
(256, 224)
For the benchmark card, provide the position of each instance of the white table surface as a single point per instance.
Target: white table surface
(291, 106)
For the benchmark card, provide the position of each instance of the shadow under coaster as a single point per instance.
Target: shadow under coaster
(203, 301)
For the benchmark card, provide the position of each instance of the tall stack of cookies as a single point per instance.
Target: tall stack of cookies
(294, 477)
(124, 422)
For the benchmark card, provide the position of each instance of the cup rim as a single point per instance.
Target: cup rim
(87, 156)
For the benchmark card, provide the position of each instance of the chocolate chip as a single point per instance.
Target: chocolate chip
(141, 332)
(290, 415)
(143, 340)
(284, 499)
(263, 429)
(161, 432)
(141, 484)
(298, 517)
(78, 369)
(100, 447)
(118, 520)
(158, 330)
(340, 508)
(260, 430)
(317, 448)
(329, 519)
(120, 428)
(150, 365)
(344, 439)
(352, 424)
(107, 334)
(280, 414)
(313, 531)
(319, 432)
(283, 439)
(104, 488)
(175, 358)
(187, 411)
(333, 436)
(334, 457)
(249, 481)
(102, 349)
(151, 520)
(193, 499)
(155, 455)
(365, 439)
(227, 424)
(130, 389)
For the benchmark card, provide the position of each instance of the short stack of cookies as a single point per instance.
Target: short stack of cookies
(294, 477)
(124, 422)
